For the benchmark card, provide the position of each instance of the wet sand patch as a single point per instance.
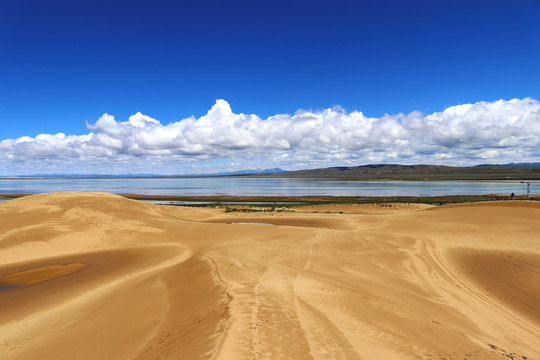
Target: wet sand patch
(37, 275)
(9, 287)
(102, 267)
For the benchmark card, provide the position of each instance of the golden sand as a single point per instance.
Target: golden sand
(110, 278)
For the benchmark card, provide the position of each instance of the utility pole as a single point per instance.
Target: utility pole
(528, 188)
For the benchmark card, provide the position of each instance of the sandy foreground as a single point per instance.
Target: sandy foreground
(98, 276)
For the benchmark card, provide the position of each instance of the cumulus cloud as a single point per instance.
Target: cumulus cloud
(500, 131)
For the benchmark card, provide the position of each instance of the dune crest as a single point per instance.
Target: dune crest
(106, 277)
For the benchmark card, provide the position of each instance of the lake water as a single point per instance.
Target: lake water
(264, 187)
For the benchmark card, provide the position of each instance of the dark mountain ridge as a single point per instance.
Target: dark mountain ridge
(420, 172)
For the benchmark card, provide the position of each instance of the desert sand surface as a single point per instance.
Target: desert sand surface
(99, 276)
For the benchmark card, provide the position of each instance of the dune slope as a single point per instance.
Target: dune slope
(98, 276)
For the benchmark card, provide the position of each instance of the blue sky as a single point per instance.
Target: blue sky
(64, 64)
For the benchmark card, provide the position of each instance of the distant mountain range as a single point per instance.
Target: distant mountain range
(100, 176)
(530, 171)
(249, 172)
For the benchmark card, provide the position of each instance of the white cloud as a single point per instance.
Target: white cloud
(500, 131)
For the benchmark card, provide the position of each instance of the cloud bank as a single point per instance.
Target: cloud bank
(468, 134)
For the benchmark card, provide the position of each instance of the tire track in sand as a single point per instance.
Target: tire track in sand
(324, 339)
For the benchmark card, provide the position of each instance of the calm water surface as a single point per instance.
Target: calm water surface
(263, 187)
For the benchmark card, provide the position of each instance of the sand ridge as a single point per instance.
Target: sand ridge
(344, 282)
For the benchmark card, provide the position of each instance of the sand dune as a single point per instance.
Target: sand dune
(98, 276)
